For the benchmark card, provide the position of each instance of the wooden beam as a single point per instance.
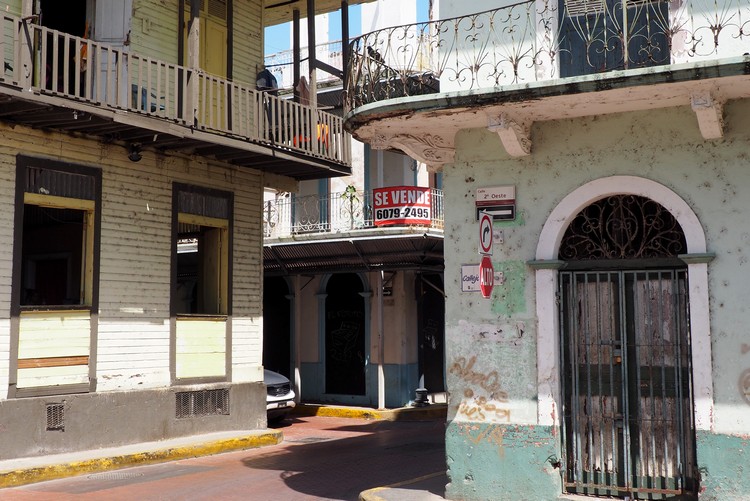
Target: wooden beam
(37, 363)
(344, 39)
(295, 54)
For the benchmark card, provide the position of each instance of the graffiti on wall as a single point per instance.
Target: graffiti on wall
(490, 434)
(479, 407)
(490, 381)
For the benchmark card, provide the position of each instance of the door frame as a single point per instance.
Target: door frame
(546, 265)
(370, 396)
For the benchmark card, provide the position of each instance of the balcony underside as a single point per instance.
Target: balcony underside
(361, 251)
(124, 127)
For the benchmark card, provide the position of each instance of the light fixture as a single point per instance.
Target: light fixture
(134, 152)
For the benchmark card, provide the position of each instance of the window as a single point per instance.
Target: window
(202, 238)
(56, 228)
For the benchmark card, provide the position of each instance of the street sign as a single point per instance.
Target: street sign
(498, 201)
(485, 233)
(486, 276)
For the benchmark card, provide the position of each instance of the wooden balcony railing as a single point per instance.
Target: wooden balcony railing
(50, 62)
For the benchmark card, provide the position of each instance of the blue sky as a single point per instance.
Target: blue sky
(277, 38)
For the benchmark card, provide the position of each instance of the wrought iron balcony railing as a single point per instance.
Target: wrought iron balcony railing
(338, 212)
(53, 63)
(541, 40)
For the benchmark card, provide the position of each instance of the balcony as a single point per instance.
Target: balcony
(57, 81)
(338, 232)
(531, 61)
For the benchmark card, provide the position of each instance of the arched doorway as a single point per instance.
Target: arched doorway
(345, 336)
(625, 352)
(277, 326)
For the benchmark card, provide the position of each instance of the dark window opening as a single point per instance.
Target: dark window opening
(53, 256)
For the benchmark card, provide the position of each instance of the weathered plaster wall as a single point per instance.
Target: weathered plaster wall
(399, 319)
(491, 344)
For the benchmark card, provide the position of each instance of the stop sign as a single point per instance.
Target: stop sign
(486, 276)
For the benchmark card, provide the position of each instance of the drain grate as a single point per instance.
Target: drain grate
(115, 475)
(55, 417)
(307, 440)
(202, 403)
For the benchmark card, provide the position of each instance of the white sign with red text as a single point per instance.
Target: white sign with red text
(401, 205)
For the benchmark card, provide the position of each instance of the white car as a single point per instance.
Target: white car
(279, 396)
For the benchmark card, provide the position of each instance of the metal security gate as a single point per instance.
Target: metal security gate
(626, 378)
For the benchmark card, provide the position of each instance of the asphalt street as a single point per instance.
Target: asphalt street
(320, 458)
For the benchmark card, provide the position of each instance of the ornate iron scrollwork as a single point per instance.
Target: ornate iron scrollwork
(623, 227)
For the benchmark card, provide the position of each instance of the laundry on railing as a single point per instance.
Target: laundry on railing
(322, 135)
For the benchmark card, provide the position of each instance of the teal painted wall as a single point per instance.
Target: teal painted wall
(491, 344)
(494, 462)
(400, 383)
(723, 466)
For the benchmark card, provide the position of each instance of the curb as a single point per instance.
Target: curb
(427, 413)
(394, 491)
(23, 476)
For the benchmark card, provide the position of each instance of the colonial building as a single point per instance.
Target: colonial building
(135, 150)
(608, 141)
(353, 298)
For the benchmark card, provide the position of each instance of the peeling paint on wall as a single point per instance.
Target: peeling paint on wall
(509, 298)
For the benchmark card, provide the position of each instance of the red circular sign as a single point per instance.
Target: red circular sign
(486, 276)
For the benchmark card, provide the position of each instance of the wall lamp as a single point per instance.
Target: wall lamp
(134, 152)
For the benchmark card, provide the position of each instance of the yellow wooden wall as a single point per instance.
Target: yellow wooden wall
(155, 31)
(201, 348)
(248, 40)
(133, 329)
(53, 348)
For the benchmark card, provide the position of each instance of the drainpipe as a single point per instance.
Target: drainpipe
(381, 347)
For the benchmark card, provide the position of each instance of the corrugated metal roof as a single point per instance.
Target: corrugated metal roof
(412, 251)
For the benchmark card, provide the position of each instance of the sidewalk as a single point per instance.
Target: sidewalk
(427, 488)
(22, 471)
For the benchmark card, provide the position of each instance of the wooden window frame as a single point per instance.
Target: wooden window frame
(225, 225)
(91, 232)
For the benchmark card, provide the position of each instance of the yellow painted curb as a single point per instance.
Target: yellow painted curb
(435, 411)
(371, 494)
(333, 411)
(15, 478)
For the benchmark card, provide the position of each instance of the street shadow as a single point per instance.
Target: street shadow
(383, 453)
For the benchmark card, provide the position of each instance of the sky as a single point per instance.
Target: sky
(278, 38)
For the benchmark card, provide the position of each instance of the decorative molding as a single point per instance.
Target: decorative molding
(515, 135)
(379, 142)
(545, 264)
(710, 114)
(431, 149)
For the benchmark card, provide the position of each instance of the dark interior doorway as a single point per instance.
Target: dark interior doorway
(277, 326)
(431, 325)
(345, 347)
(68, 16)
